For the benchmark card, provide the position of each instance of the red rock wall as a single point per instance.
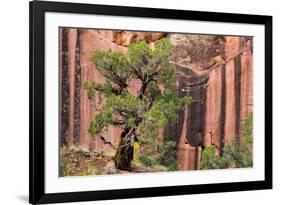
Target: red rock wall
(91, 41)
(213, 116)
(72, 37)
(231, 49)
(246, 80)
(227, 101)
(222, 92)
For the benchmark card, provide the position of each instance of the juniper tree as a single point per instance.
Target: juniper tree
(140, 116)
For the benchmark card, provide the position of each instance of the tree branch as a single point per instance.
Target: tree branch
(118, 122)
(107, 142)
(111, 75)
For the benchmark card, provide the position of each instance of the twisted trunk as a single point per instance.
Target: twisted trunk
(125, 151)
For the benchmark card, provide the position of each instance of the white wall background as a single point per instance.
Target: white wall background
(14, 100)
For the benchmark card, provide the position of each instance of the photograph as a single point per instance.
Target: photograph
(139, 102)
(131, 102)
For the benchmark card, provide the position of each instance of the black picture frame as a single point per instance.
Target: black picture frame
(37, 9)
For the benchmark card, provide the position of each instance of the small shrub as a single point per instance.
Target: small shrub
(146, 160)
(211, 161)
(235, 154)
(164, 155)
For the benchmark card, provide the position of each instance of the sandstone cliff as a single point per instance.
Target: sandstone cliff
(215, 70)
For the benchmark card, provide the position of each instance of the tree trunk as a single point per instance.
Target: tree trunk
(125, 151)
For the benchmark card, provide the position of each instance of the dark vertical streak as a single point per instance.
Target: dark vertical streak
(182, 93)
(77, 87)
(64, 89)
(203, 93)
(223, 106)
(237, 84)
(196, 158)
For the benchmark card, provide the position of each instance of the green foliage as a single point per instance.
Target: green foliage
(147, 160)
(106, 88)
(234, 154)
(241, 153)
(247, 128)
(102, 119)
(165, 156)
(238, 154)
(139, 54)
(210, 160)
(163, 49)
(119, 110)
(113, 65)
(163, 111)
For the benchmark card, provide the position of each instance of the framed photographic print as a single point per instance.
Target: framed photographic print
(140, 102)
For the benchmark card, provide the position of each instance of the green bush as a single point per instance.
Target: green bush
(210, 160)
(146, 160)
(164, 155)
(235, 154)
